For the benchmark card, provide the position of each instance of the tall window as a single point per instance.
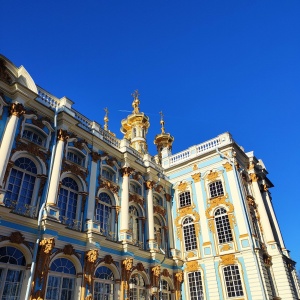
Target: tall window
(184, 199)
(104, 284)
(12, 269)
(223, 226)
(233, 281)
(195, 286)
(216, 189)
(61, 280)
(159, 233)
(165, 290)
(67, 201)
(21, 185)
(134, 226)
(103, 213)
(189, 234)
(137, 288)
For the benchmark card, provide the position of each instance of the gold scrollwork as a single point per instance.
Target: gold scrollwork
(227, 166)
(228, 259)
(17, 109)
(182, 186)
(218, 201)
(211, 176)
(253, 177)
(192, 266)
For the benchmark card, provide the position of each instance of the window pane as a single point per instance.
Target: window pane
(233, 281)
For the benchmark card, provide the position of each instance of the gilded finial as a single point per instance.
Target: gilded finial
(162, 122)
(106, 119)
(136, 102)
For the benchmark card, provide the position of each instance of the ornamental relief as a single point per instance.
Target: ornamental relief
(159, 210)
(228, 259)
(72, 168)
(227, 166)
(136, 199)
(106, 184)
(215, 202)
(182, 212)
(182, 186)
(212, 176)
(192, 266)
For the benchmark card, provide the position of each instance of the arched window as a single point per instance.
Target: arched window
(12, 269)
(134, 226)
(104, 284)
(135, 188)
(189, 234)
(137, 287)
(157, 200)
(67, 201)
(20, 185)
(184, 199)
(75, 157)
(233, 281)
(61, 280)
(223, 226)
(159, 233)
(108, 174)
(216, 189)
(165, 290)
(195, 285)
(103, 213)
(34, 137)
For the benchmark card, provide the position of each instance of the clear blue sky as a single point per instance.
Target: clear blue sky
(210, 65)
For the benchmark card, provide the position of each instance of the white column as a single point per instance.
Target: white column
(236, 194)
(126, 171)
(264, 218)
(55, 175)
(16, 111)
(92, 187)
(149, 186)
(200, 199)
(270, 207)
(170, 222)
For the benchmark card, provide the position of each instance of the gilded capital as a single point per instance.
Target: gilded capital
(227, 166)
(149, 184)
(126, 171)
(168, 197)
(95, 156)
(196, 177)
(17, 109)
(62, 135)
(253, 177)
(47, 245)
(92, 255)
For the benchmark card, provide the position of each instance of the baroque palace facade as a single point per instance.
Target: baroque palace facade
(84, 215)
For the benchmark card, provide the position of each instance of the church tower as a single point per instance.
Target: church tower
(163, 141)
(135, 126)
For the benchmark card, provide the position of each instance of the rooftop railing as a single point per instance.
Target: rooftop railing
(197, 150)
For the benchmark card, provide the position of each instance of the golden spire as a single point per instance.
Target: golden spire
(162, 122)
(106, 119)
(163, 141)
(136, 102)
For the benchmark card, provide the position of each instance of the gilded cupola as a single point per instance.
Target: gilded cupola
(163, 141)
(135, 126)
